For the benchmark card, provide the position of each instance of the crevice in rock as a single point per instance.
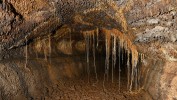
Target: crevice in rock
(12, 9)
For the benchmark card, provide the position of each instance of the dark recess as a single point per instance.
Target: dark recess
(15, 12)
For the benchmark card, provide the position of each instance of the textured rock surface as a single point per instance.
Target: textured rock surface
(29, 23)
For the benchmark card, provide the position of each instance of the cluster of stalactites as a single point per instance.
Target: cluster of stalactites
(124, 43)
(115, 39)
(91, 44)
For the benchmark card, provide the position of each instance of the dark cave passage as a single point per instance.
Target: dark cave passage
(86, 74)
(66, 77)
(74, 71)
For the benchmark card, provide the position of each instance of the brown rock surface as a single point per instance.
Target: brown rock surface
(46, 29)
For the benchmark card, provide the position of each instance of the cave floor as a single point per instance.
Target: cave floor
(67, 80)
(81, 89)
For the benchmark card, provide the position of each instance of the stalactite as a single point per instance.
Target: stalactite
(121, 46)
(50, 49)
(90, 42)
(97, 33)
(36, 51)
(142, 57)
(128, 69)
(37, 48)
(70, 37)
(119, 43)
(107, 43)
(26, 52)
(112, 38)
(119, 61)
(87, 49)
(138, 74)
(90, 39)
(136, 78)
(122, 54)
(95, 69)
(134, 67)
(113, 55)
(132, 78)
(123, 51)
(45, 51)
(126, 44)
(139, 68)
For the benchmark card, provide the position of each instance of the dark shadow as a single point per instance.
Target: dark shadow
(14, 11)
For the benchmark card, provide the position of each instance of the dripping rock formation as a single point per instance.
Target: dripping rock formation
(88, 49)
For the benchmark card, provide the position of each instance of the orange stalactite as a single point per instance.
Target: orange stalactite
(107, 34)
(125, 43)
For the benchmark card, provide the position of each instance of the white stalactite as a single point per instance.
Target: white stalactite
(95, 69)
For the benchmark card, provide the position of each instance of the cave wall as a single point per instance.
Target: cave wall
(152, 22)
(42, 79)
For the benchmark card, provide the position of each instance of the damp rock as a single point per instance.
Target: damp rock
(65, 47)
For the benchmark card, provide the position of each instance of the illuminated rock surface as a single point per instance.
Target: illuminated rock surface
(94, 49)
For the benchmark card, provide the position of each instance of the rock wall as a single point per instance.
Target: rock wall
(41, 79)
(152, 23)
